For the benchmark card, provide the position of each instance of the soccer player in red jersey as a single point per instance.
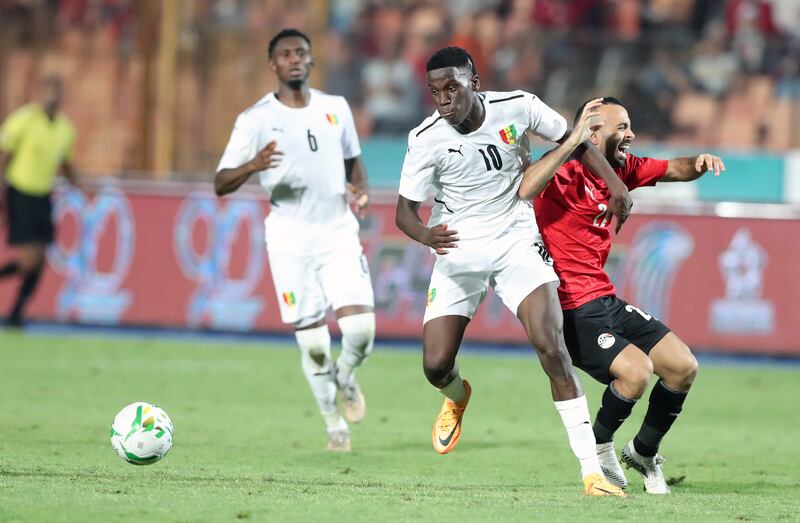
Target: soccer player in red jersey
(615, 342)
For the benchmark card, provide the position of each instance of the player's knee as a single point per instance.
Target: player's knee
(30, 265)
(687, 371)
(633, 382)
(550, 350)
(358, 330)
(438, 370)
(315, 344)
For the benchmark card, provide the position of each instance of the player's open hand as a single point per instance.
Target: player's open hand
(267, 158)
(619, 205)
(440, 238)
(590, 116)
(360, 199)
(709, 162)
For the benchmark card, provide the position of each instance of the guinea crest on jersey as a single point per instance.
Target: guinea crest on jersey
(474, 177)
(308, 189)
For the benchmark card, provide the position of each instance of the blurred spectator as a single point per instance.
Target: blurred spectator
(713, 66)
(654, 91)
(391, 91)
(788, 85)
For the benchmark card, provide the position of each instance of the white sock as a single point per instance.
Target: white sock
(455, 390)
(575, 416)
(315, 350)
(358, 338)
(334, 421)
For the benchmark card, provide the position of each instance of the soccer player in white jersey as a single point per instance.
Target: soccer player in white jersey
(303, 145)
(472, 156)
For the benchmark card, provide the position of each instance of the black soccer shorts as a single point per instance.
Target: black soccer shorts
(597, 331)
(29, 218)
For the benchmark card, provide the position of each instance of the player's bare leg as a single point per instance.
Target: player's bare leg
(314, 341)
(30, 266)
(674, 363)
(441, 338)
(357, 323)
(631, 370)
(540, 314)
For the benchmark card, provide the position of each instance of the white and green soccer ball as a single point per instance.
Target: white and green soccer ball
(141, 433)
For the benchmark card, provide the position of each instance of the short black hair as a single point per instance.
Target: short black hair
(451, 57)
(607, 100)
(286, 33)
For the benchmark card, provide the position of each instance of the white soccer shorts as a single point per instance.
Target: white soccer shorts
(307, 285)
(513, 265)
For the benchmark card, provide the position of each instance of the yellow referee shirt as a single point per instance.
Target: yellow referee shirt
(37, 146)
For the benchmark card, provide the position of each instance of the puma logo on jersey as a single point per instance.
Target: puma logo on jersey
(456, 150)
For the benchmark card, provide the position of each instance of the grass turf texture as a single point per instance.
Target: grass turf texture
(249, 443)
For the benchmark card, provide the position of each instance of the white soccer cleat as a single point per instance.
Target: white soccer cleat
(354, 406)
(649, 468)
(339, 440)
(610, 465)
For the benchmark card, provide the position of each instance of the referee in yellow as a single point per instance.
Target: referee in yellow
(36, 142)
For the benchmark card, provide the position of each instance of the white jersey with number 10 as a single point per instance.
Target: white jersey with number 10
(475, 176)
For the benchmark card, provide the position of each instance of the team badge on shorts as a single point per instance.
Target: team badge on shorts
(288, 299)
(509, 134)
(431, 295)
(606, 340)
(332, 119)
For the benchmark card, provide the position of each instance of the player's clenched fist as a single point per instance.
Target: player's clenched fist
(267, 158)
(439, 238)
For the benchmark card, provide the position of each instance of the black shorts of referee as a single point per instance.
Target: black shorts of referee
(30, 218)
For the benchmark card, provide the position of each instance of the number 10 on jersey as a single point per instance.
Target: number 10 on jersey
(493, 154)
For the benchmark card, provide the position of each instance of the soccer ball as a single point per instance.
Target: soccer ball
(141, 433)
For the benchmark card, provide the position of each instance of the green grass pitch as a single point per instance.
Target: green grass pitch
(249, 444)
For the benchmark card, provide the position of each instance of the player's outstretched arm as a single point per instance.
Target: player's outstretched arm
(537, 175)
(407, 219)
(229, 180)
(356, 176)
(691, 168)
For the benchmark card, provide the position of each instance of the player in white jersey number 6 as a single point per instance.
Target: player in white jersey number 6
(472, 155)
(303, 145)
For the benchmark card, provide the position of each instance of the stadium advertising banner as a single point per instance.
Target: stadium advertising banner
(183, 258)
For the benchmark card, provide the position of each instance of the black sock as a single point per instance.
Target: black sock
(9, 269)
(29, 283)
(614, 409)
(665, 405)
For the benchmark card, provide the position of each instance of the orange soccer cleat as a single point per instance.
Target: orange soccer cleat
(447, 427)
(597, 485)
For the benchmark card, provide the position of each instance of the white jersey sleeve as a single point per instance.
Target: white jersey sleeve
(544, 121)
(242, 145)
(350, 145)
(416, 178)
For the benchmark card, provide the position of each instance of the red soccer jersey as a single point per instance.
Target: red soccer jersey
(572, 213)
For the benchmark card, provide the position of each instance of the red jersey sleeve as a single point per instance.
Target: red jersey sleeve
(560, 182)
(641, 172)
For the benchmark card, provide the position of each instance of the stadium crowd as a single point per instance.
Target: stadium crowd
(680, 65)
(701, 72)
